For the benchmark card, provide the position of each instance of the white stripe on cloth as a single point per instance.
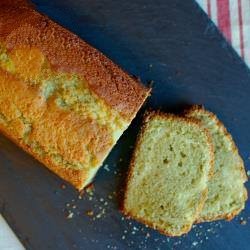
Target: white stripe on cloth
(234, 16)
(214, 17)
(235, 23)
(246, 28)
(203, 4)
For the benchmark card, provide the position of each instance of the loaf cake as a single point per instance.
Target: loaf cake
(226, 191)
(167, 181)
(61, 100)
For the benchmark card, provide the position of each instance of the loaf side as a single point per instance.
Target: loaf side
(60, 99)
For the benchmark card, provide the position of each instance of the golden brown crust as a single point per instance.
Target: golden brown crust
(76, 177)
(67, 53)
(231, 215)
(147, 117)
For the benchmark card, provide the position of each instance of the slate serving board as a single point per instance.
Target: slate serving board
(173, 43)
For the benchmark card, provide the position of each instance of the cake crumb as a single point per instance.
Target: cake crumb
(195, 243)
(106, 167)
(90, 188)
(63, 186)
(98, 216)
(150, 83)
(90, 213)
(243, 222)
(248, 173)
(70, 215)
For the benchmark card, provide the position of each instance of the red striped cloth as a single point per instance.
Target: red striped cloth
(233, 19)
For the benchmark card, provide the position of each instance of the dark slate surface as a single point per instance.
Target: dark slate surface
(173, 43)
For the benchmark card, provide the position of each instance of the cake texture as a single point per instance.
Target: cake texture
(226, 191)
(167, 181)
(61, 100)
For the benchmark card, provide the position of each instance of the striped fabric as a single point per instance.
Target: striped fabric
(233, 19)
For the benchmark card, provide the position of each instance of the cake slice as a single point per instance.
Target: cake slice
(169, 171)
(226, 191)
(61, 100)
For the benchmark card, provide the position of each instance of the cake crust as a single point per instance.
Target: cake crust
(66, 52)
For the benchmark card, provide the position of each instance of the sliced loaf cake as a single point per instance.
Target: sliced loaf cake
(226, 191)
(167, 183)
(61, 100)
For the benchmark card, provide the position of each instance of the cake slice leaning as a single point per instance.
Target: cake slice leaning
(167, 181)
(226, 191)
